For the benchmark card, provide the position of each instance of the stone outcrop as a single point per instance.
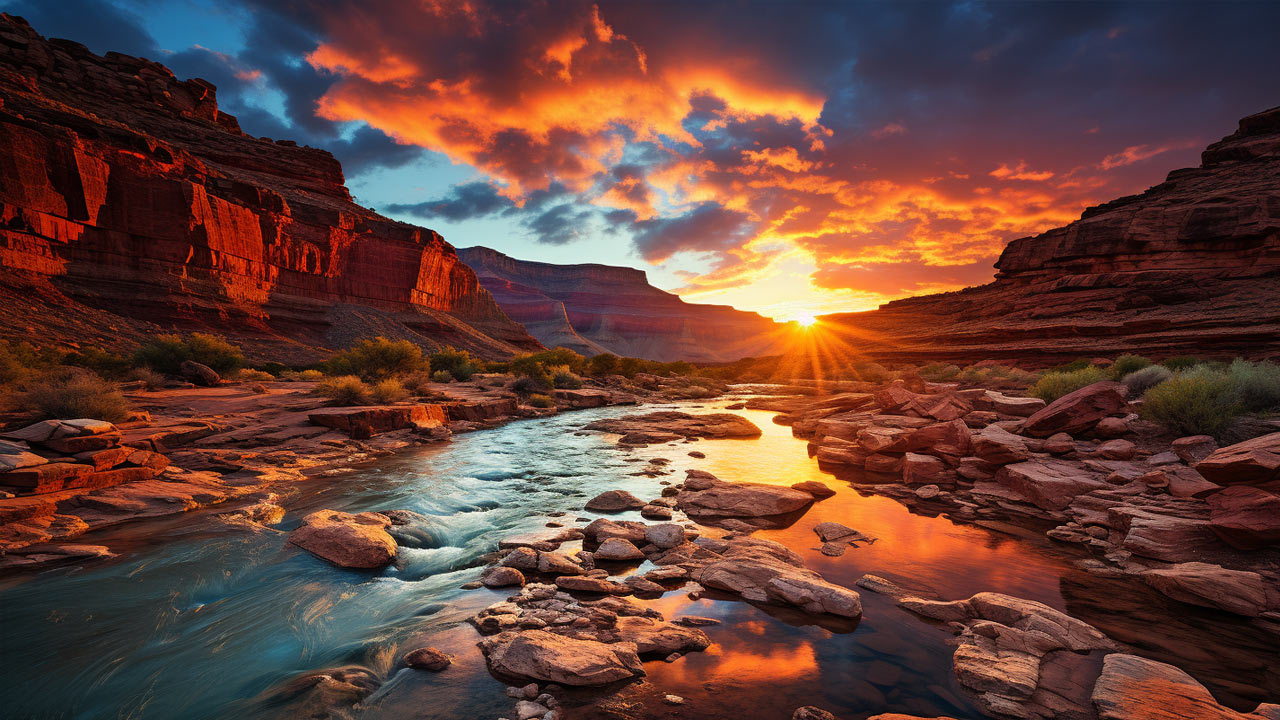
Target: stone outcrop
(1134, 688)
(129, 201)
(1191, 266)
(601, 308)
(354, 541)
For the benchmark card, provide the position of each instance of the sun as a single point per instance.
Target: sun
(805, 321)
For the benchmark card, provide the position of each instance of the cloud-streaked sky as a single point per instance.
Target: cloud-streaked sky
(788, 158)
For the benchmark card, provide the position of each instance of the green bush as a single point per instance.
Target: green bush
(388, 391)
(527, 384)
(997, 375)
(1053, 385)
(251, 375)
(376, 358)
(417, 383)
(1126, 364)
(1256, 385)
(1074, 365)
(939, 372)
(71, 393)
(441, 376)
(1182, 362)
(602, 364)
(1140, 381)
(166, 353)
(17, 360)
(541, 401)
(1199, 401)
(344, 390)
(563, 378)
(107, 365)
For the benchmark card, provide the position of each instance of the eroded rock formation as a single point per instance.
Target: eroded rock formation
(601, 308)
(129, 202)
(1191, 266)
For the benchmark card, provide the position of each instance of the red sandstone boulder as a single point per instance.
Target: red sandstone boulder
(998, 446)
(1245, 517)
(369, 420)
(725, 499)
(427, 658)
(354, 541)
(920, 469)
(1077, 411)
(614, 501)
(1237, 591)
(199, 374)
(1251, 462)
(1048, 484)
(1194, 448)
(547, 657)
(1134, 688)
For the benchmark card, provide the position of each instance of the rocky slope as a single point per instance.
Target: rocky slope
(601, 308)
(1191, 266)
(129, 202)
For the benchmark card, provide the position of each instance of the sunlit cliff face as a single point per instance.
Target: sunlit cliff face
(794, 159)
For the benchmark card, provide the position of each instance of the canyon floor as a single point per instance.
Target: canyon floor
(935, 550)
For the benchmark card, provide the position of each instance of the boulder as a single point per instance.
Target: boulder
(1077, 411)
(764, 571)
(199, 374)
(617, 549)
(1059, 444)
(665, 535)
(1134, 688)
(654, 637)
(1236, 591)
(1111, 427)
(354, 541)
(592, 585)
(1117, 450)
(602, 528)
(1251, 462)
(1194, 448)
(547, 657)
(500, 576)
(1245, 517)
(883, 463)
(920, 469)
(809, 712)
(725, 499)
(998, 446)
(368, 420)
(713, 425)
(1011, 405)
(427, 658)
(947, 440)
(655, 512)
(817, 489)
(615, 501)
(1047, 483)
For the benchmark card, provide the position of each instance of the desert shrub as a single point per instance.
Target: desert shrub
(107, 365)
(872, 372)
(1074, 365)
(441, 376)
(310, 376)
(276, 369)
(1140, 381)
(18, 360)
(376, 358)
(541, 401)
(939, 372)
(150, 379)
(458, 363)
(1256, 385)
(166, 353)
(1126, 364)
(1199, 401)
(602, 364)
(417, 383)
(344, 390)
(1053, 385)
(388, 391)
(561, 356)
(526, 384)
(564, 378)
(258, 388)
(997, 375)
(251, 375)
(1182, 362)
(70, 393)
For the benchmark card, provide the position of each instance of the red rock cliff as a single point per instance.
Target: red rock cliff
(601, 308)
(1191, 266)
(128, 198)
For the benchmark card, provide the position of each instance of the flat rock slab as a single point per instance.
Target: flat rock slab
(713, 425)
(368, 420)
(354, 541)
(547, 657)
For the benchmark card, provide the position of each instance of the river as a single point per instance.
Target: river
(202, 619)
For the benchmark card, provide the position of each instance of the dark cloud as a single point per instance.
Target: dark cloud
(561, 224)
(706, 228)
(465, 202)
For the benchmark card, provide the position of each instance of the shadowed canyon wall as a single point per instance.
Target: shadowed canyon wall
(601, 308)
(130, 203)
(1191, 266)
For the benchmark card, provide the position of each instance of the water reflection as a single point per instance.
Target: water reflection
(209, 621)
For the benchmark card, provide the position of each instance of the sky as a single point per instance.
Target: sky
(788, 158)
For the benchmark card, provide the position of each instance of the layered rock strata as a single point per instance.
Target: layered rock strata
(1191, 266)
(129, 202)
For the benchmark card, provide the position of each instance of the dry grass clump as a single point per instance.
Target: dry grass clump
(1053, 385)
(70, 393)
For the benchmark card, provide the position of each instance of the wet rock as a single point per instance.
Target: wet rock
(642, 584)
(665, 535)
(764, 571)
(1077, 411)
(832, 531)
(725, 499)
(1134, 688)
(355, 541)
(604, 528)
(592, 585)
(1194, 448)
(1246, 518)
(541, 655)
(1237, 591)
(550, 563)
(528, 709)
(1251, 462)
(500, 576)
(614, 501)
(428, 658)
(813, 487)
(715, 425)
(617, 549)
(655, 512)
(653, 637)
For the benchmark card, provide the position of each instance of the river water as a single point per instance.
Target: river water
(202, 619)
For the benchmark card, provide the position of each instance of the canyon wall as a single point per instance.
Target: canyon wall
(601, 308)
(1191, 266)
(129, 203)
